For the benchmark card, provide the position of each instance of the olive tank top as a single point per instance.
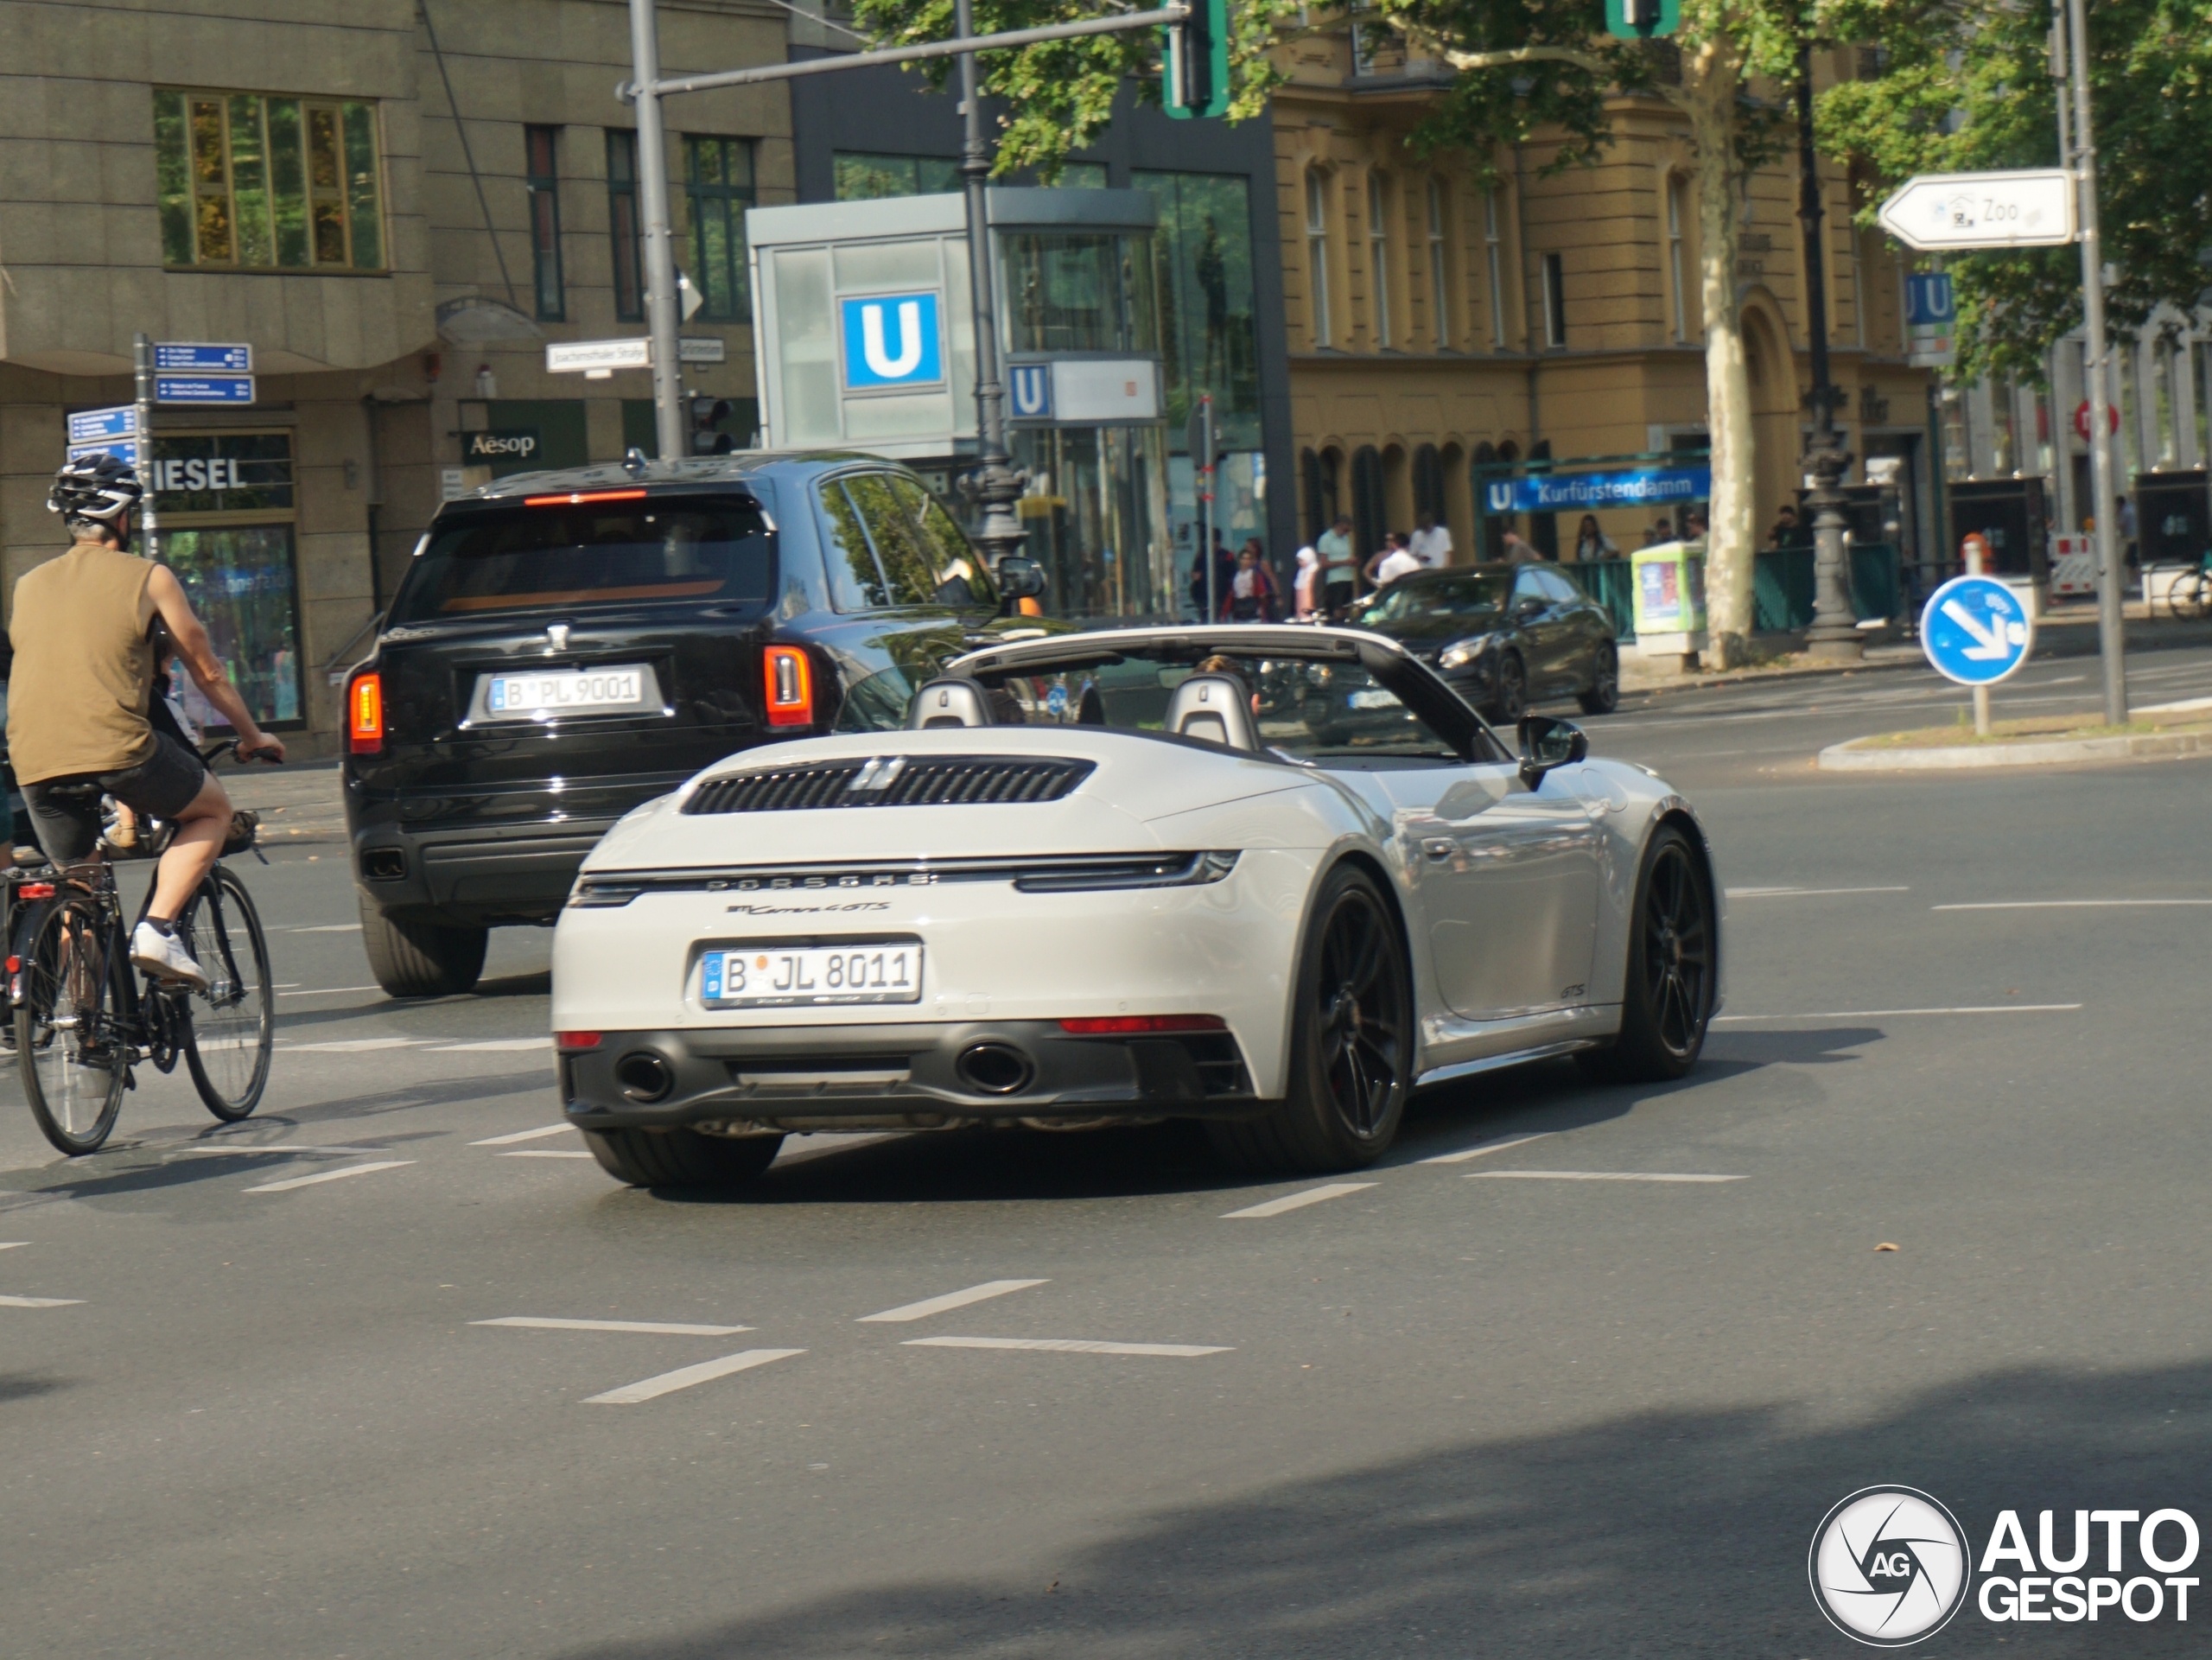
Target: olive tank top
(84, 665)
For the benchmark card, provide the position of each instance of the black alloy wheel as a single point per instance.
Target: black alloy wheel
(1351, 1041)
(1673, 968)
(1510, 701)
(1605, 694)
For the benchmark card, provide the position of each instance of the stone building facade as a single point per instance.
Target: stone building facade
(1436, 325)
(397, 204)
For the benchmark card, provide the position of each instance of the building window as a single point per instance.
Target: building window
(1555, 299)
(1494, 251)
(623, 227)
(1428, 484)
(863, 177)
(1378, 253)
(1439, 286)
(1201, 263)
(252, 183)
(1370, 513)
(540, 149)
(1317, 254)
(718, 188)
(1678, 272)
(1858, 285)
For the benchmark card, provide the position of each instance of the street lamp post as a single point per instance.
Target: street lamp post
(662, 323)
(994, 485)
(1834, 636)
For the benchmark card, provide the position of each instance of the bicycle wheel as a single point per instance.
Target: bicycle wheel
(73, 1075)
(232, 1030)
(2187, 597)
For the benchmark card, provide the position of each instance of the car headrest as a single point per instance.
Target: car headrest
(947, 702)
(1216, 708)
(1090, 707)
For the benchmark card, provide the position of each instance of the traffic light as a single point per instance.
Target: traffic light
(1194, 61)
(1640, 19)
(708, 414)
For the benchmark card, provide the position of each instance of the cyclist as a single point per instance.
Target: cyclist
(83, 625)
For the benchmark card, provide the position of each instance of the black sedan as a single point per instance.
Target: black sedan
(1505, 636)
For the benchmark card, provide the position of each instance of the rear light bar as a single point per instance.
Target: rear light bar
(1134, 1025)
(33, 890)
(365, 715)
(789, 686)
(569, 1043)
(583, 496)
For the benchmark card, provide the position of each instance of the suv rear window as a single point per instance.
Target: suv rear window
(661, 549)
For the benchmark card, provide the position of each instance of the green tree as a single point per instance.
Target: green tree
(1966, 87)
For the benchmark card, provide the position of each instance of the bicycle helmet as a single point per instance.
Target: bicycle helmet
(98, 488)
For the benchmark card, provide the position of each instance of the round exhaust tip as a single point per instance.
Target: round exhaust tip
(644, 1075)
(995, 1069)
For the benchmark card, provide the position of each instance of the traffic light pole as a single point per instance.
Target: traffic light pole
(662, 320)
(996, 485)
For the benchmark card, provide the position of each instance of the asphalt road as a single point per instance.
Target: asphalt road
(1465, 1408)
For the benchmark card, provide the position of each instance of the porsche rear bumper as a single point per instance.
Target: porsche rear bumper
(915, 1074)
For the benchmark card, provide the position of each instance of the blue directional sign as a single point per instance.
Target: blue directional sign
(891, 342)
(123, 449)
(198, 358)
(203, 389)
(90, 426)
(1975, 631)
(1575, 491)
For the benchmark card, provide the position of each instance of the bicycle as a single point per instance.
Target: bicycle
(82, 1021)
(2191, 596)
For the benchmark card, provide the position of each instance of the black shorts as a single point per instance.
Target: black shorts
(162, 785)
(1335, 596)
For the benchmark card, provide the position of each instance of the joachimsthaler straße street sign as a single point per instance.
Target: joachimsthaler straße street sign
(2030, 207)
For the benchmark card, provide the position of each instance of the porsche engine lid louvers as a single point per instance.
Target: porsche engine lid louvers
(893, 781)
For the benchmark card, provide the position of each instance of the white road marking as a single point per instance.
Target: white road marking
(1484, 1148)
(2065, 905)
(352, 1045)
(514, 1135)
(546, 1152)
(1586, 1175)
(327, 991)
(952, 1300)
(13, 1245)
(1064, 1345)
(328, 1175)
(664, 1328)
(492, 1044)
(277, 1148)
(1890, 1013)
(2183, 707)
(324, 928)
(1806, 893)
(41, 1302)
(684, 1376)
(1297, 1201)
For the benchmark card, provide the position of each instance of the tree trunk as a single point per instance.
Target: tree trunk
(1712, 79)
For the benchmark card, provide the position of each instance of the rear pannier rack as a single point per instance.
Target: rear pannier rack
(893, 781)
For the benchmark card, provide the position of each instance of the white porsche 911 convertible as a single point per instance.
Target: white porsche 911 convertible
(1274, 878)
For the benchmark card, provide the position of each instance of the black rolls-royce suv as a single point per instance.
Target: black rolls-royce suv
(566, 645)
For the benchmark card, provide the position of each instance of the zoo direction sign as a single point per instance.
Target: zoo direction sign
(2030, 207)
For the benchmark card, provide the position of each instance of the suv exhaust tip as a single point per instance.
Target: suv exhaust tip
(644, 1077)
(995, 1069)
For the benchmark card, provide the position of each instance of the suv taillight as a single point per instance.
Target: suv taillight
(365, 715)
(789, 686)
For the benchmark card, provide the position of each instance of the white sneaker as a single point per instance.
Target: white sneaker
(164, 956)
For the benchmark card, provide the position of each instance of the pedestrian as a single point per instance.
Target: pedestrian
(1693, 526)
(1308, 579)
(1224, 573)
(1252, 590)
(1591, 543)
(2130, 547)
(1659, 535)
(1518, 552)
(1395, 559)
(1786, 531)
(1430, 543)
(1339, 565)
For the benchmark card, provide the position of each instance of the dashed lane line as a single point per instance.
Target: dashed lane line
(950, 1300)
(41, 1302)
(684, 1377)
(1484, 1149)
(1891, 1014)
(659, 1327)
(1589, 1175)
(1806, 893)
(328, 1175)
(13, 1245)
(327, 991)
(491, 1046)
(2067, 905)
(1297, 1201)
(514, 1135)
(351, 1045)
(321, 928)
(277, 1149)
(1067, 1345)
(546, 1152)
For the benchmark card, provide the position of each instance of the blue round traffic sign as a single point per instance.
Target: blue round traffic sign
(1975, 631)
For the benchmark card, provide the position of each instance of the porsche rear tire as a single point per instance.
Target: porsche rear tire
(1351, 1042)
(1673, 969)
(681, 1158)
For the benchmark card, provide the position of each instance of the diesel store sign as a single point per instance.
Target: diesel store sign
(224, 473)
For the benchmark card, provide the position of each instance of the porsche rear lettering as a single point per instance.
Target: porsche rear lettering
(806, 910)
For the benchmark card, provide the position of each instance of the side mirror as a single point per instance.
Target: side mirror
(1020, 578)
(1529, 607)
(1547, 743)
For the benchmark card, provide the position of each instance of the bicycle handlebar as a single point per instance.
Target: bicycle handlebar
(237, 747)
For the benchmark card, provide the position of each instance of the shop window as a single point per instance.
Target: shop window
(1072, 292)
(541, 148)
(1202, 265)
(1370, 513)
(246, 182)
(624, 227)
(1309, 491)
(863, 177)
(241, 582)
(718, 188)
(1428, 484)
